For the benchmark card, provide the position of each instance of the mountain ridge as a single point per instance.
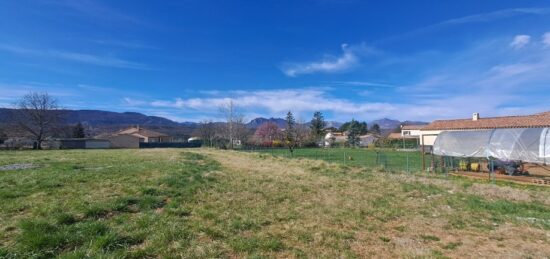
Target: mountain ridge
(110, 119)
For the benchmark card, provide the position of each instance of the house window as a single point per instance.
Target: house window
(406, 132)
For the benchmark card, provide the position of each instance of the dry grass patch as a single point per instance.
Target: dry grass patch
(341, 211)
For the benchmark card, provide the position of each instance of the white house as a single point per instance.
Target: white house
(411, 130)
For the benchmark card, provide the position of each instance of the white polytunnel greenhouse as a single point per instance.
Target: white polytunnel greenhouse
(522, 144)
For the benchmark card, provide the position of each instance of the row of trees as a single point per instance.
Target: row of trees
(233, 131)
(294, 133)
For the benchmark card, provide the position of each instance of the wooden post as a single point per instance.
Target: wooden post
(423, 156)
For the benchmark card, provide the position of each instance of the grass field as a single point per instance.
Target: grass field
(213, 203)
(387, 159)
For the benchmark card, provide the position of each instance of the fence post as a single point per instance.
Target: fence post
(408, 162)
(492, 172)
(344, 157)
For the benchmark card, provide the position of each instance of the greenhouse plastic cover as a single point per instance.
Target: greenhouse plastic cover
(525, 144)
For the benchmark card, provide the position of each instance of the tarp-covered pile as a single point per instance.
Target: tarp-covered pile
(525, 144)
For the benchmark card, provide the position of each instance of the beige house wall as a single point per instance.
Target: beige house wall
(124, 141)
(427, 137)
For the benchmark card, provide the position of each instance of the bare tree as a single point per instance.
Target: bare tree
(38, 114)
(234, 129)
(207, 131)
(303, 133)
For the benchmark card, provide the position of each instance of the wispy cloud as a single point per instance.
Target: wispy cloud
(276, 102)
(364, 83)
(96, 10)
(496, 15)
(546, 39)
(75, 56)
(11, 92)
(329, 64)
(501, 83)
(520, 41)
(124, 44)
(470, 19)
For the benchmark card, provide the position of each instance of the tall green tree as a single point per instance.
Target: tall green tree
(290, 132)
(363, 129)
(317, 126)
(354, 131)
(375, 128)
(78, 131)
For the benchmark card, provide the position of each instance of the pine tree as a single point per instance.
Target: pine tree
(78, 131)
(290, 132)
(318, 125)
(375, 129)
(354, 130)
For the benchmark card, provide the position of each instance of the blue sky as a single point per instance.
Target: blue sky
(416, 60)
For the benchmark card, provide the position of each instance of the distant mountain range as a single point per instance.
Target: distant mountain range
(97, 122)
(386, 123)
(103, 121)
(98, 118)
(255, 123)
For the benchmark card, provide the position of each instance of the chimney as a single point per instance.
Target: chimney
(475, 116)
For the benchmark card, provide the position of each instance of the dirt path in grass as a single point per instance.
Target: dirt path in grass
(320, 209)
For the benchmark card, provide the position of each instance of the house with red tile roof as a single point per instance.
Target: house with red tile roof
(429, 132)
(145, 135)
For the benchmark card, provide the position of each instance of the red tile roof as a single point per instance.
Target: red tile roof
(142, 132)
(539, 120)
(413, 127)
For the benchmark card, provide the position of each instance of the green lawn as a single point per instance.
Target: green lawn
(204, 203)
(387, 159)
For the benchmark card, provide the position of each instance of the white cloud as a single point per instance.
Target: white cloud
(364, 83)
(485, 77)
(347, 60)
(277, 102)
(546, 39)
(520, 41)
(74, 56)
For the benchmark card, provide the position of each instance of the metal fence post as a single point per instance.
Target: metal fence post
(344, 157)
(408, 163)
(492, 172)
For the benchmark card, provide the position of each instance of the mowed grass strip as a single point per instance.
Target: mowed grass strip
(380, 159)
(215, 203)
